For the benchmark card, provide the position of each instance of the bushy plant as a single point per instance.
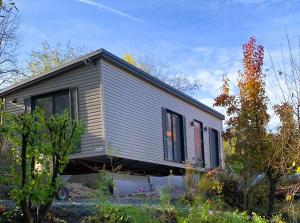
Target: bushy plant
(205, 212)
(257, 198)
(40, 147)
(144, 214)
(233, 193)
(165, 215)
(209, 184)
(226, 188)
(104, 186)
(191, 177)
(165, 196)
(109, 214)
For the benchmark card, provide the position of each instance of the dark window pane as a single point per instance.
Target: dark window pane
(55, 103)
(45, 103)
(74, 103)
(61, 102)
(177, 138)
(214, 148)
(27, 103)
(169, 137)
(197, 140)
(199, 145)
(174, 135)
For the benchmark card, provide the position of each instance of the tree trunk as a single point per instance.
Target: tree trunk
(26, 212)
(45, 208)
(26, 208)
(272, 189)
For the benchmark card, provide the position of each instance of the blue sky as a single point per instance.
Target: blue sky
(202, 38)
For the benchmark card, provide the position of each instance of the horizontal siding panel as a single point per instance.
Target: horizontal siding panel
(87, 80)
(133, 121)
(147, 93)
(132, 125)
(92, 143)
(91, 99)
(91, 109)
(45, 88)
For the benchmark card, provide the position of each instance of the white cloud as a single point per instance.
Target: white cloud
(253, 2)
(203, 49)
(211, 81)
(101, 6)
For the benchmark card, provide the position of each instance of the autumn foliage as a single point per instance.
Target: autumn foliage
(247, 110)
(255, 149)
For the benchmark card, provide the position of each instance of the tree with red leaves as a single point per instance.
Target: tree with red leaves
(247, 114)
(255, 149)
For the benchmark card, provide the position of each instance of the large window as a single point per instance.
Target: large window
(174, 137)
(199, 143)
(57, 102)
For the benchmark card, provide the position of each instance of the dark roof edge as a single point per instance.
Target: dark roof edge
(119, 62)
(45, 75)
(155, 81)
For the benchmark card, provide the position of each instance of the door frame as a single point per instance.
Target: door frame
(218, 147)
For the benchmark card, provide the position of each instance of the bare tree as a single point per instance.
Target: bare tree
(49, 56)
(159, 67)
(287, 75)
(283, 155)
(9, 23)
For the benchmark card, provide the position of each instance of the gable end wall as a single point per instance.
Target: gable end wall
(87, 79)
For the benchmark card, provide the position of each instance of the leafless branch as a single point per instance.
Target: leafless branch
(9, 23)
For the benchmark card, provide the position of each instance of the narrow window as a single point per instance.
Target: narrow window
(174, 148)
(199, 143)
(169, 133)
(74, 103)
(214, 148)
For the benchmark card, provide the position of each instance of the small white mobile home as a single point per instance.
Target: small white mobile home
(145, 124)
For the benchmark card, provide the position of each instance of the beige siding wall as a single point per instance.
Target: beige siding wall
(87, 80)
(133, 119)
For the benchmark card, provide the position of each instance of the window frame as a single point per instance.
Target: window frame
(202, 141)
(32, 101)
(73, 105)
(52, 95)
(182, 135)
(218, 147)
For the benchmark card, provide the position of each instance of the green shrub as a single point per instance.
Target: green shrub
(209, 184)
(104, 186)
(165, 196)
(220, 185)
(257, 198)
(199, 212)
(40, 146)
(142, 214)
(5, 164)
(109, 214)
(231, 193)
(205, 212)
